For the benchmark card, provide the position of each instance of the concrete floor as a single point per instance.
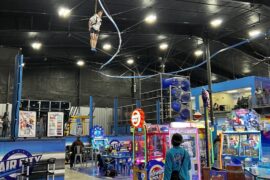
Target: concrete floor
(88, 173)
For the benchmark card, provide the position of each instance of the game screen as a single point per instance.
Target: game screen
(231, 144)
(189, 145)
(249, 145)
(100, 143)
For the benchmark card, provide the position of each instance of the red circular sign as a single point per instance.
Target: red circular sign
(137, 118)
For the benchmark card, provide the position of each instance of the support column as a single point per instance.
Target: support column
(115, 116)
(209, 77)
(17, 93)
(91, 113)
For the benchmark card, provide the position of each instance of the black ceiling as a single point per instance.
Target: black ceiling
(180, 23)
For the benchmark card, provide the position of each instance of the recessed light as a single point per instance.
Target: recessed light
(163, 46)
(36, 45)
(161, 37)
(107, 46)
(254, 33)
(150, 19)
(198, 53)
(130, 61)
(80, 62)
(216, 22)
(32, 34)
(246, 70)
(214, 77)
(64, 12)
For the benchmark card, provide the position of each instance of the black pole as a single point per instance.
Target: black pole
(206, 136)
(209, 77)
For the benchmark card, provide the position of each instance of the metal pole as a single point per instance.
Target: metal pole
(209, 77)
(206, 136)
(158, 111)
(91, 113)
(115, 116)
(17, 93)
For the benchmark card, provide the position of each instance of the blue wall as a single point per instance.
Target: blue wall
(225, 86)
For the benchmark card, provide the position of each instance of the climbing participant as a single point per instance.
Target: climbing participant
(94, 28)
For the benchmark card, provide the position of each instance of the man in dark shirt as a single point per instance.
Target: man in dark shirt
(73, 149)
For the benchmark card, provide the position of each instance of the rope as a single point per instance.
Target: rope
(95, 6)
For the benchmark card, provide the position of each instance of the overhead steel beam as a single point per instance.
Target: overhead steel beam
(262, 2)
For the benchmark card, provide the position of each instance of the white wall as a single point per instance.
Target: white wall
(3, 110)
(102, 117)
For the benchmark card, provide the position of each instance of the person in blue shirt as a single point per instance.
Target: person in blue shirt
(177, 162)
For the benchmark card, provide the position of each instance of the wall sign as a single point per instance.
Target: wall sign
(55, 123)
(12, 162)
(27, 124)
(137, 118)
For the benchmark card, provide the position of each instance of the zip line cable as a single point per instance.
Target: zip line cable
(119, 36)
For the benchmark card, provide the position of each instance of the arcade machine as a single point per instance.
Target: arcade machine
(149, 148)
(123, 147)
(241, 139)
(99, 141)
(191, 144)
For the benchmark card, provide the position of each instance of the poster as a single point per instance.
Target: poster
(27, 124)
(55, 124)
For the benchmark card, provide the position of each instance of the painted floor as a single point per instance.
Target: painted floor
(86, 173)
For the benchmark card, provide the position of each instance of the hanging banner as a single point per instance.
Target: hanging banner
(27, 124)
(55, 124)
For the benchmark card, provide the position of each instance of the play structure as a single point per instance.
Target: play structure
(241, 139)
(98, 139)
(191, 143)
(150, 143)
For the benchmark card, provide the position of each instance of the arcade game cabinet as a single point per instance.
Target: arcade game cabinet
(241, 139)
(149, 148)
(191, 144)
(99, 141)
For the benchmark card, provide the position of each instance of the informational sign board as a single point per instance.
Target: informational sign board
(27, 124)
(55, 124)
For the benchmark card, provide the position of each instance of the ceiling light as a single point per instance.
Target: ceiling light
(23, 64)
(232, 91)
(163, 46)
(161, 37)
(246, 70)
(32, 34)
(64, 12)
(199, 41)
(80, 63)
(36, 45)
(150, 19)
(103, 36)
(216, 22)
(107, 46)
(254, 33)
(130, 61)
(198, 53)
(214, 78)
